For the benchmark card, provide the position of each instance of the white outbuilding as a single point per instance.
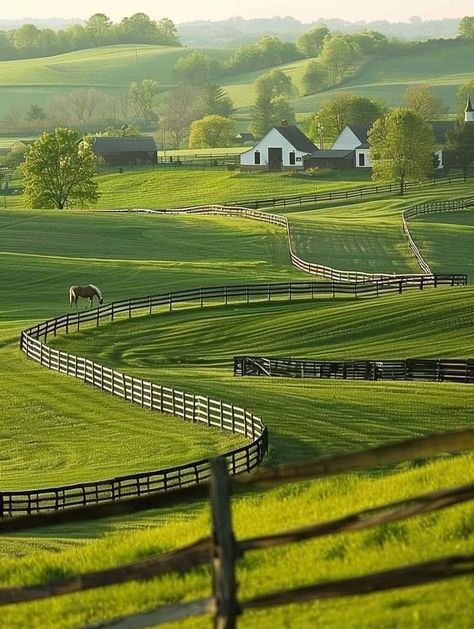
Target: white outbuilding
(283, 148)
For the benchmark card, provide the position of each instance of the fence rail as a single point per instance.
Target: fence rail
(350, 193)
(430, 207)
(188, 406)
(312, 268)
(222, 550)
(426, 369)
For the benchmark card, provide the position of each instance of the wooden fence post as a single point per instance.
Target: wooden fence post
(224, 550)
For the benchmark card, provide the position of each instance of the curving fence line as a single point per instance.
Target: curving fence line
(312, 268)
(336, 275)
(187, 406)
(430, 207)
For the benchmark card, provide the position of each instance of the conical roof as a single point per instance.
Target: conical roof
(469, 106)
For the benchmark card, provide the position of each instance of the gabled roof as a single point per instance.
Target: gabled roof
(297, 138)
(441, 128)
(145, 144)
(469, 106)
(361, 132)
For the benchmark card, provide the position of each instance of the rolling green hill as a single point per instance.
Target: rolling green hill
(443, 69)
(113, 68)
(110, 68)
(63, 430)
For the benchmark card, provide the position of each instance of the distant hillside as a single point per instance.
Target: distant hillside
(237, 31)
(111, 69)
(442, 69)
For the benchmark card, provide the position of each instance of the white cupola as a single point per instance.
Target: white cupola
(469, 111)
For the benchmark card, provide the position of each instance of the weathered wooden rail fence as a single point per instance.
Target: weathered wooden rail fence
(223, 551)
(188, 406)
(426, 369)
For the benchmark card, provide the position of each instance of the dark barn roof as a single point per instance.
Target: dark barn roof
(245, 136)
(105, 145)
(297, 138)
(361, 132)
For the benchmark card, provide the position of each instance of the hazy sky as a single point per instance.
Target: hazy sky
(187, 10)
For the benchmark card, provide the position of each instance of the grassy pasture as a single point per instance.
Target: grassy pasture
(127, 255)
(113, 68)
(178, 187)
(110, 68)
(443, 70)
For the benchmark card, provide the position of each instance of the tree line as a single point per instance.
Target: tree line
(99, 30)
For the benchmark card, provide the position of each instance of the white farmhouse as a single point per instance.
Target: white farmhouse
(283, 148)
(350, 150)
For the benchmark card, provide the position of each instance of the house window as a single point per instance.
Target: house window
(361, 159)
(257, 158)
(292, 159)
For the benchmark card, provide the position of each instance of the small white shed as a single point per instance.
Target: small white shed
(283, 148)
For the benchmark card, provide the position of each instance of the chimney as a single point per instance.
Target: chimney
(284, 122)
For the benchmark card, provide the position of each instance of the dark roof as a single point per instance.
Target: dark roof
(469, 106)
(297, 138)
(360, 131)
(332, 153)
(125, 144)
(440, 128)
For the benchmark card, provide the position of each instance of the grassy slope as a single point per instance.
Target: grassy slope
(368, 236)
(443, 70)
(184, 187)
(342, 416)
(111, 68)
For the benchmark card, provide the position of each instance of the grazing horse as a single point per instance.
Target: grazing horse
(87, 292)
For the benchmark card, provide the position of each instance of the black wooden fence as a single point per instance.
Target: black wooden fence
(336, 195)
(434, 370)
(187, 406)
(222, 549)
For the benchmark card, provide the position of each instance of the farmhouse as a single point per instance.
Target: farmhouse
(283, 148)
(350, 150)
(126, 151)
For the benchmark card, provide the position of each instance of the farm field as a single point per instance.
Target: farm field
(113, 68)
(442, 69)
(131, 255)
(161, 188)
(368, 236)
(110, 68)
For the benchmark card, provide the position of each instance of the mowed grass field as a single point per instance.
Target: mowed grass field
(110, 68)
(183, 187)
(42, 253)
(443, 69)
(113, 68)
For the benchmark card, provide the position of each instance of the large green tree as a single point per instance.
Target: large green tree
(344, 109)
(402, 145)
(311, 42)
(340, 54)
(211, 132)
(59, 170)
